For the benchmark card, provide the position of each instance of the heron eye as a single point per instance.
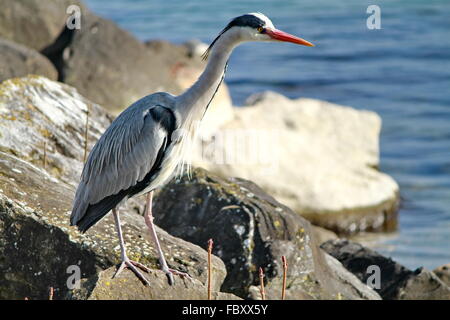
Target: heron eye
(260, 29)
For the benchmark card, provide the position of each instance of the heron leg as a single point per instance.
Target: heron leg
(126, 262)
(149, 221)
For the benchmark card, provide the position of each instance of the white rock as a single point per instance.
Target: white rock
(314, 156)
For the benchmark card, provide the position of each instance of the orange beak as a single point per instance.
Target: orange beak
(286, 37)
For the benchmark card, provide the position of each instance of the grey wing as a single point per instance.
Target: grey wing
(125, 155)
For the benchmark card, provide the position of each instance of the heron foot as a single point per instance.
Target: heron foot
(170, 272)
(127, 263)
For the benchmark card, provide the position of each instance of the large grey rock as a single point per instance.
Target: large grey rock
(251, 229)
(128, 287)
(318, 158)
(37, 245)
(17, 61)
(35, 111)
(34, 23)
(396, 281)
(109, 66)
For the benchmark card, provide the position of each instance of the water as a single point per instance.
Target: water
(402, 72)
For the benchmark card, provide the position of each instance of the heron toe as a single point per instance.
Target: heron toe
(132, 266)
(170, 272)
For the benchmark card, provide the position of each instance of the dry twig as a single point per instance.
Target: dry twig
(285, 266)
(210, 246)
(261, 281)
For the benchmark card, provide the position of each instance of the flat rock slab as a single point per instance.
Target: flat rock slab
(250, 229)
(127, 287)
(318, 158)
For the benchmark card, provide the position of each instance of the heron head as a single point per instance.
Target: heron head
(258, 27)
(255, 27)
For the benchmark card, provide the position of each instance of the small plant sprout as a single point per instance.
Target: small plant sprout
(210, 247)
(285, 266)
(261, 281)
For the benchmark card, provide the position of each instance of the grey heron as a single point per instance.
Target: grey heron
(144, 145)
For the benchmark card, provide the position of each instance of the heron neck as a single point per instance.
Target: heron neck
(197, 98)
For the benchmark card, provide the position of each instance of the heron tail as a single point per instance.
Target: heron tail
(97, 211)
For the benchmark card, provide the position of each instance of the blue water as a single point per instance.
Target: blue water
(401, 71)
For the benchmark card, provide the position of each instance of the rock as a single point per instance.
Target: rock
(424, 285)
(105, 63)
(278, 143)
(335, 272)
(254, 293)
(37, 245)
(251, 229)
(357, 259)
(111, 67)
(18, 61)
(35, 111)
(443, 272)
(34, 23)
(322, 234)
(396, 281)
(128, 287)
